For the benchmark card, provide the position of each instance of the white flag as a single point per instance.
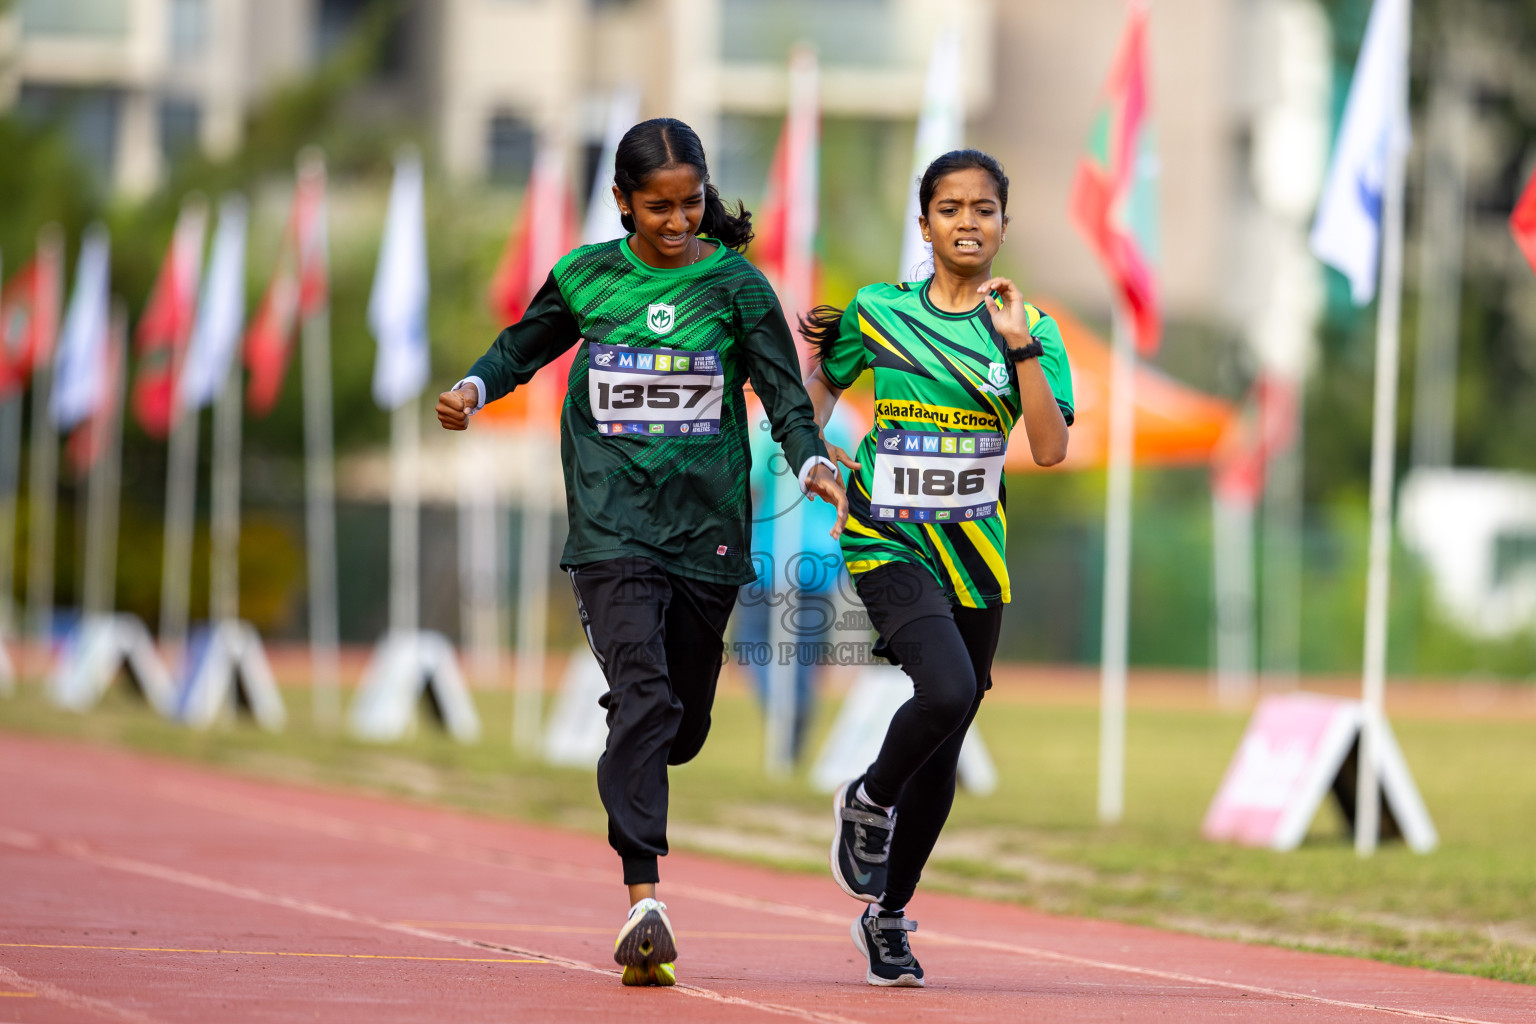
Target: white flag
(1347, 233)
(602, 221)
(220, 312)
(940, 128)
(80, 374)
(397, 308)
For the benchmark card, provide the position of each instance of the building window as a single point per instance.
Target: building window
(509, 149)
(74, 18)
(189, 28)
(843, 32)
(180, 122)
(88, 118)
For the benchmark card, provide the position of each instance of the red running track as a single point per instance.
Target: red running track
(140, 890)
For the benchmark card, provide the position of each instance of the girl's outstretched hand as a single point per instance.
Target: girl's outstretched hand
(825, 485)
(453, 407)
(839, 456)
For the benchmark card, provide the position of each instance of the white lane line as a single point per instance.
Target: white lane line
(72, 1000)
(160, 872)
(273, 813)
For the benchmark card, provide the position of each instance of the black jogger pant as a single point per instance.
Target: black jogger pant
(947, 649)
(659, 639)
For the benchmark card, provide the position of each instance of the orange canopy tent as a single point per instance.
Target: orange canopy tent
(1176, 425)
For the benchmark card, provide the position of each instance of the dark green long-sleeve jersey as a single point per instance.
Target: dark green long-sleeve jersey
(659, 469)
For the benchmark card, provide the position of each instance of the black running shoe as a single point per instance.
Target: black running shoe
(883, 939)
(860, 845)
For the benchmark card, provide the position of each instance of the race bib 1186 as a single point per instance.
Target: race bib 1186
(655, 392)
(930, 477)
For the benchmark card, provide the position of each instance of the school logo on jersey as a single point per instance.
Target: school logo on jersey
(661, 318)
(997, 379)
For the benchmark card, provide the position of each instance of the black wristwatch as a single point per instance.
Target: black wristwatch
(1033, 350)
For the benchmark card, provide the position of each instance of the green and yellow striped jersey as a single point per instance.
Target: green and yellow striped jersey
(945, 374)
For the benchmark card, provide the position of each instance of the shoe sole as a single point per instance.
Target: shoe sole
(664, 975)
(856, 932)
(647, 943)
(837, 838)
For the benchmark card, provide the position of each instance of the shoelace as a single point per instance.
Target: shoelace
(864, 823)
(889, 935)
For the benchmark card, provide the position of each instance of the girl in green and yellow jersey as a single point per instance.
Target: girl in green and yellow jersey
(958, 360)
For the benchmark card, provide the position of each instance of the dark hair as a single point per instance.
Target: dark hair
(820, 328)
(960, 160)
(664, 142)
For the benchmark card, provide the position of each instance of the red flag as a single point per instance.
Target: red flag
(167, 322)
(785, 247)
(29, 316)
(544, 232)
(1267, 428)
(1113, 199)
(1522, 223)
(300, 286)
(86, 440)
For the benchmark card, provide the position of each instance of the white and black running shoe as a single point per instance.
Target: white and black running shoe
(861, 844)
(883, 939)
(646, 947)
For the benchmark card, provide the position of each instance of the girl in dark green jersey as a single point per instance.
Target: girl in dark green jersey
(957, 360)
(653, 438)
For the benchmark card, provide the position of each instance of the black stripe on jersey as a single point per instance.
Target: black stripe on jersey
(981, 400)
(858, 509)
(971, 561)
(897, 356)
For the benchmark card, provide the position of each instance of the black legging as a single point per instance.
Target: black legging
(948, 654)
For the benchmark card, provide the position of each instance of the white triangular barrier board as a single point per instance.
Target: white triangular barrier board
(1297, 749)
(404, 668)
(227, 667)
(856, 735)
(96, 650)
(577, 730)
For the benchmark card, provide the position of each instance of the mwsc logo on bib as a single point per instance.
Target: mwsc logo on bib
(661, 318)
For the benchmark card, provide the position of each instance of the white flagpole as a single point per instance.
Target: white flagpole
(479, 559)
(10, 477)
(176, 553)
(320, 520)
(1383, 451)
(1232, 522)
(98, 597)
(533, 600)
(224, 549)
(405, 517)
(1117, 573)
(43, 471)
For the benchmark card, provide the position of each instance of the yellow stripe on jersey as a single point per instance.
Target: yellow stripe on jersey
(989, 555)
(855, 526)
(961, 590)
(976, 382)
(873, 332)
(862, 565)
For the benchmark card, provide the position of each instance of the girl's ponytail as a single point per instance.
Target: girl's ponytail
(820, 328)
(732, 230)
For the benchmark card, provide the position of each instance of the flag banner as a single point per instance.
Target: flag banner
(220, 314)
(1266, 428)
(87, 441)
(1114, 197)
(166, 325)
(602, 223)
(1347, 232)
(397, 307)
(940, 128)
(29, 319)
(785, 248)
(545, 231)
(300, 287)
(1522, 223)
(81, 371)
